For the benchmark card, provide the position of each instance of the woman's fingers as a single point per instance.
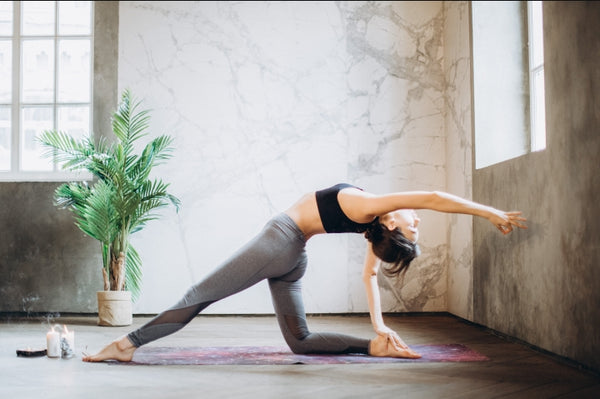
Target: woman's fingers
(392, 337)
(511, 219)
(515, 217)
(505, 229)
(400, 347)
(397, 341)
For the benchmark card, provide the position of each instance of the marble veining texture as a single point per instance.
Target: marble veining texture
(457, 69)
(269, 100)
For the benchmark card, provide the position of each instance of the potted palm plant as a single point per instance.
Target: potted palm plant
(121, 199)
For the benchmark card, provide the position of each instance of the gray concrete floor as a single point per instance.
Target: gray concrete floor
(514, 371)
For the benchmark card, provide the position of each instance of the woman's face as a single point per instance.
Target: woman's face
(404, 219)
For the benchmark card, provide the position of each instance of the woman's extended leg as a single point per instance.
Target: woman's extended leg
(272, 253)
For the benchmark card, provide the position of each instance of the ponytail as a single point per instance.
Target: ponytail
(392, 247)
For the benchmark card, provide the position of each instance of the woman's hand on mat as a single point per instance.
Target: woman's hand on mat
(504, 221)
(383, 347)
(391, 336)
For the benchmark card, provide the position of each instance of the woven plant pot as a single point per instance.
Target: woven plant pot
(115, 308)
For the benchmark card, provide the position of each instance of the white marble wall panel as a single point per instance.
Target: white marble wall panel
(459, 155)
(268, 100)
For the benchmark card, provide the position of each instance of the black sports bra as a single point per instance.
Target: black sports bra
(333, 218)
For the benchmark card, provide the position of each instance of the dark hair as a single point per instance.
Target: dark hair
(391, 246)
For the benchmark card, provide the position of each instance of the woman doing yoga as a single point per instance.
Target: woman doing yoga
(277, 253)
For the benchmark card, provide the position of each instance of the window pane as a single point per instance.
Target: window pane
(538, 136)
(33, 122)
(5, 71)
(38, 70)
(38, 17)
(537, 34)
(499, 81)
(74, 17)
(74, 70)
(5, 129)
(6, 16)
(74, 120)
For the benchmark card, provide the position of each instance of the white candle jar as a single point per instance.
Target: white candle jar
(53, 343)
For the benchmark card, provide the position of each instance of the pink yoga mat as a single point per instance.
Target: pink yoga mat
(268, 355)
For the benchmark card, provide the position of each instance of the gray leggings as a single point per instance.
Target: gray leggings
(277, 253)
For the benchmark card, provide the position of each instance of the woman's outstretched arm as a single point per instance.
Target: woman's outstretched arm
(362, 206)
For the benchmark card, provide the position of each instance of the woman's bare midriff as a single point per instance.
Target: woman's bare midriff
(305, 214)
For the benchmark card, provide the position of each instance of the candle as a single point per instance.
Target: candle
(53, 343)
(67, 342)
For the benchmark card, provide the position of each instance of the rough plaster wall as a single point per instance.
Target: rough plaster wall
(46, 263)
(542, 285)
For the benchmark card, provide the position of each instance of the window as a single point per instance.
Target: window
(45, 82)
(536, 75)
(508, 80)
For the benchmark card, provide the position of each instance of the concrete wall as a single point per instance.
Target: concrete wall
(542, 285)
(47, 265)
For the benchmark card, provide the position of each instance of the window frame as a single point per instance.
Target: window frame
(17, 105)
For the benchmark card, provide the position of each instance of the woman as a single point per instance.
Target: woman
(390, 225)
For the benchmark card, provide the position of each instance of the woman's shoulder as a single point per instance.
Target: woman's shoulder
(336, 188)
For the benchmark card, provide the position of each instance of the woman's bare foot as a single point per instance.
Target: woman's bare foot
(121, 350)
(382, 347)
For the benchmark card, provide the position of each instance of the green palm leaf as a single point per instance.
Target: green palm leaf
(97, 217)
(123, 198)
(133, 273)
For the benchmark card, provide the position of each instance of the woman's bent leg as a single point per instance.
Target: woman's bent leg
(289, 308)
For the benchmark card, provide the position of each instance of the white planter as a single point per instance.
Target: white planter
(114, 308)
